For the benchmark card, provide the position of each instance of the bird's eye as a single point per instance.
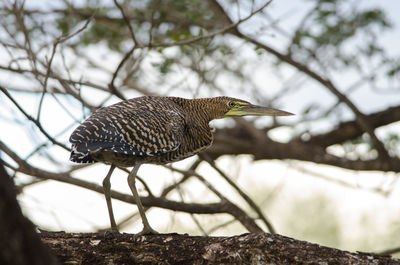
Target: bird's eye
(231, 104)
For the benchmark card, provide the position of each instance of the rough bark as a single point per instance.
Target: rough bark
(256, 248)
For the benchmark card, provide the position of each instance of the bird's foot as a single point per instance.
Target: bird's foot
(147, 230)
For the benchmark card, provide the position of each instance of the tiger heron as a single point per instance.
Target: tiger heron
(156, 130)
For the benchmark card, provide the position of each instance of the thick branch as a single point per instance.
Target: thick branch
(350, 130)
(236, 141)
(258, 248)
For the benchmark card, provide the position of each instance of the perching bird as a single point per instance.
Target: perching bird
(156, 130)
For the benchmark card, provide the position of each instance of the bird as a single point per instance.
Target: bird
(155, 130)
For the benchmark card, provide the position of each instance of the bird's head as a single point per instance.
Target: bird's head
(237, 107)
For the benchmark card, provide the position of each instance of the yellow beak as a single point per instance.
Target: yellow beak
(255, 110)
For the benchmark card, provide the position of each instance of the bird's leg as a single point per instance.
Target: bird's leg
(107, 188)
(131, 182)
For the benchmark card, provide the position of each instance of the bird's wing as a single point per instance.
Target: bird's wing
(136, 131)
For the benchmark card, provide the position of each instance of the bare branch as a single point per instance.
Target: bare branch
(36, 122)
(211, 35)
(135, 46)
(128, 24)
(360, 117)
(249, 201)
(224, 206)
(350, 129)
(235, 141)
(240, 215)
(53, 53)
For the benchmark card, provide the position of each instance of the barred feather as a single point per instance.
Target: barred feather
(152, 129)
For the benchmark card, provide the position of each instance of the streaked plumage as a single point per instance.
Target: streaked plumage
(155, 130)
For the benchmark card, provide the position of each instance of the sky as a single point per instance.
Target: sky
(58, 206)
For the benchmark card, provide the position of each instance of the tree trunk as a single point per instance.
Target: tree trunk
(255, 248)
(19, 243)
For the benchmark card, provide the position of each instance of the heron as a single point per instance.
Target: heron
(152, 129)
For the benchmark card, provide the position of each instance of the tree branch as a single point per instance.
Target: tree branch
(360, 118)
(350, 129)
(256, 248)
(248, 200)
(235, 141)
(36, 122)
(225, 206)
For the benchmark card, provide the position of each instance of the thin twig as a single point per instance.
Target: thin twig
(164, 193)
(58, 41)
(211, 35)
(309, 172)
(360, 117)
(34, 72)
(36, 122)
(128, 24)
(195, 220)
(210, 208)
(136, 45)
(217, 227)
(247, 199)
(185, 177)
(240, 215)
(141, 180)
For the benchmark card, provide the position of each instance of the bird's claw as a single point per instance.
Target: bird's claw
(147, 231)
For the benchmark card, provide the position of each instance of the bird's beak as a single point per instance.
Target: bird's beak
(255, 110)
(263, 111)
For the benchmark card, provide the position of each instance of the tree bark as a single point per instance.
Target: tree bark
(254, 248)
(19, 243)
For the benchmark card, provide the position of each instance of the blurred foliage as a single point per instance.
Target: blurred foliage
(322, 39)
(331, 25)
(168, 21)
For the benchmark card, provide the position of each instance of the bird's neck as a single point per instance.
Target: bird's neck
(204, 109)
